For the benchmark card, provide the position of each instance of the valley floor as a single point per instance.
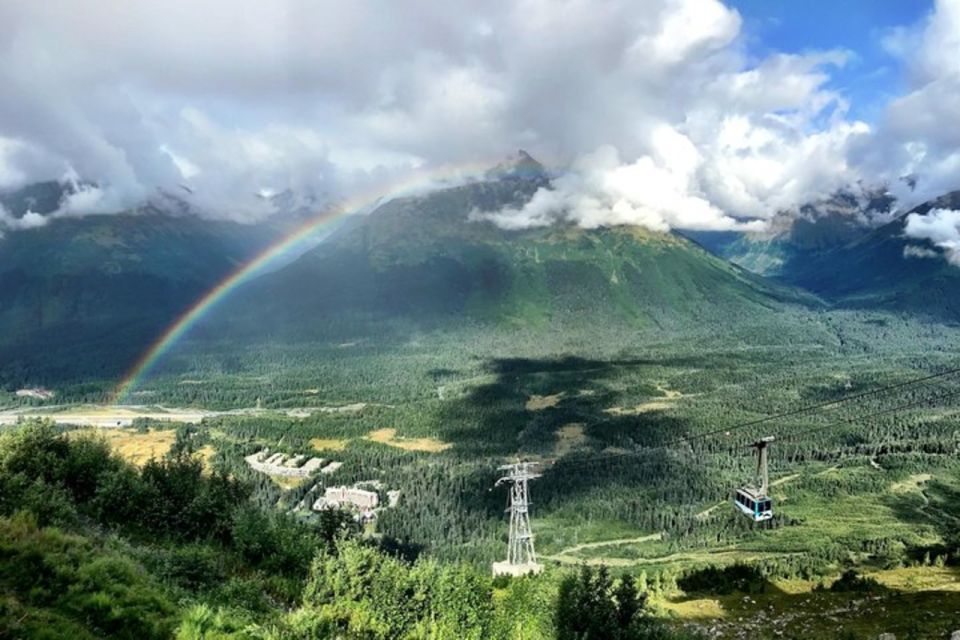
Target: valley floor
(615, 420)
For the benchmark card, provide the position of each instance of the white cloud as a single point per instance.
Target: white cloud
(21, 162)
(663, 116)
(686, 28)
(29, 220)
(917, 135)
(745, 148)
(941, 227)
(916, 251)
(88, 199)
(10, 174)
(654, 191)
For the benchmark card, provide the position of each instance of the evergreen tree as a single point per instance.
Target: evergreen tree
(629, 602)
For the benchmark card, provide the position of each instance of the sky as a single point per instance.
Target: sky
(696, 114)
(873, 74)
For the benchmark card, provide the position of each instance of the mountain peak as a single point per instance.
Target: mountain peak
(519, 166)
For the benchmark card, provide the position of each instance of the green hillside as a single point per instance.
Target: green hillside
(798, 238)
(426, 260)
(99, 288)
(873, 271)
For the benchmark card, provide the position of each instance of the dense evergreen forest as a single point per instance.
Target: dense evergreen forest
(94, 547)
(630, 481)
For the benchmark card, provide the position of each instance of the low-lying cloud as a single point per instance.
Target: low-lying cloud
(29, 220)
(916, 251)
(941, 227)
(601, 190)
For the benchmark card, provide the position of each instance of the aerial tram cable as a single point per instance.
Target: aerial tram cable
(744, 425)
(755, 501)
(852, 419)
(812, 407)
(822, 405)
(782, 437)
(752, 423)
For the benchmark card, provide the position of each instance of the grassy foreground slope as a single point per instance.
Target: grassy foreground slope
(201, 560)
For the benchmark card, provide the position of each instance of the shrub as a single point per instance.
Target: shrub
(722, 581)
(851, 581)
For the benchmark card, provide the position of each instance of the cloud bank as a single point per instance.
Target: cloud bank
(662, 115)
(600, 190)
(941, 227)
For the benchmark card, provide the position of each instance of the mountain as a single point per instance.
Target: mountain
(878, 270)
(835, 250)
(102, 287)
(429, 260)
(40, 197)
(798, 237)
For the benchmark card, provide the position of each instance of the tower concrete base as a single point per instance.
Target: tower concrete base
(506, 569)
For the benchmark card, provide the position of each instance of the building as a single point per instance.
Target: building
(336, 497)
(280, 464)
(37, 392)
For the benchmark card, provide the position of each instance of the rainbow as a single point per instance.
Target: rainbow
(297, 239)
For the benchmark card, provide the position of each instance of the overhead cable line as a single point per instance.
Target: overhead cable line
(852, 419)
(736, 427)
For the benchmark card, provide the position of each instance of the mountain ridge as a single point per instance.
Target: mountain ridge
(425, 258)
(878, 270)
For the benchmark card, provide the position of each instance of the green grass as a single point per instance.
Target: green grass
(928, 609)
(840, 522)
(469, 387)
(555, 534)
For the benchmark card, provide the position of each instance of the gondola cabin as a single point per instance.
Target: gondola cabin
(753, 504)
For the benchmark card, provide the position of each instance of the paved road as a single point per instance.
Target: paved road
(120, 418)
(123, 416)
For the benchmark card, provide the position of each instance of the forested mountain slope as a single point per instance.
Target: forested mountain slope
(835, 256)
(84, 295)
(431, 260)
(797, 238)
(106, 286)
(877, 270)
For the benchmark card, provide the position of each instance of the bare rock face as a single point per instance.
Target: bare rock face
(955, 635)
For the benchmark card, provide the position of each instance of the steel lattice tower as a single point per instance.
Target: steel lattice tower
(521, 557)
